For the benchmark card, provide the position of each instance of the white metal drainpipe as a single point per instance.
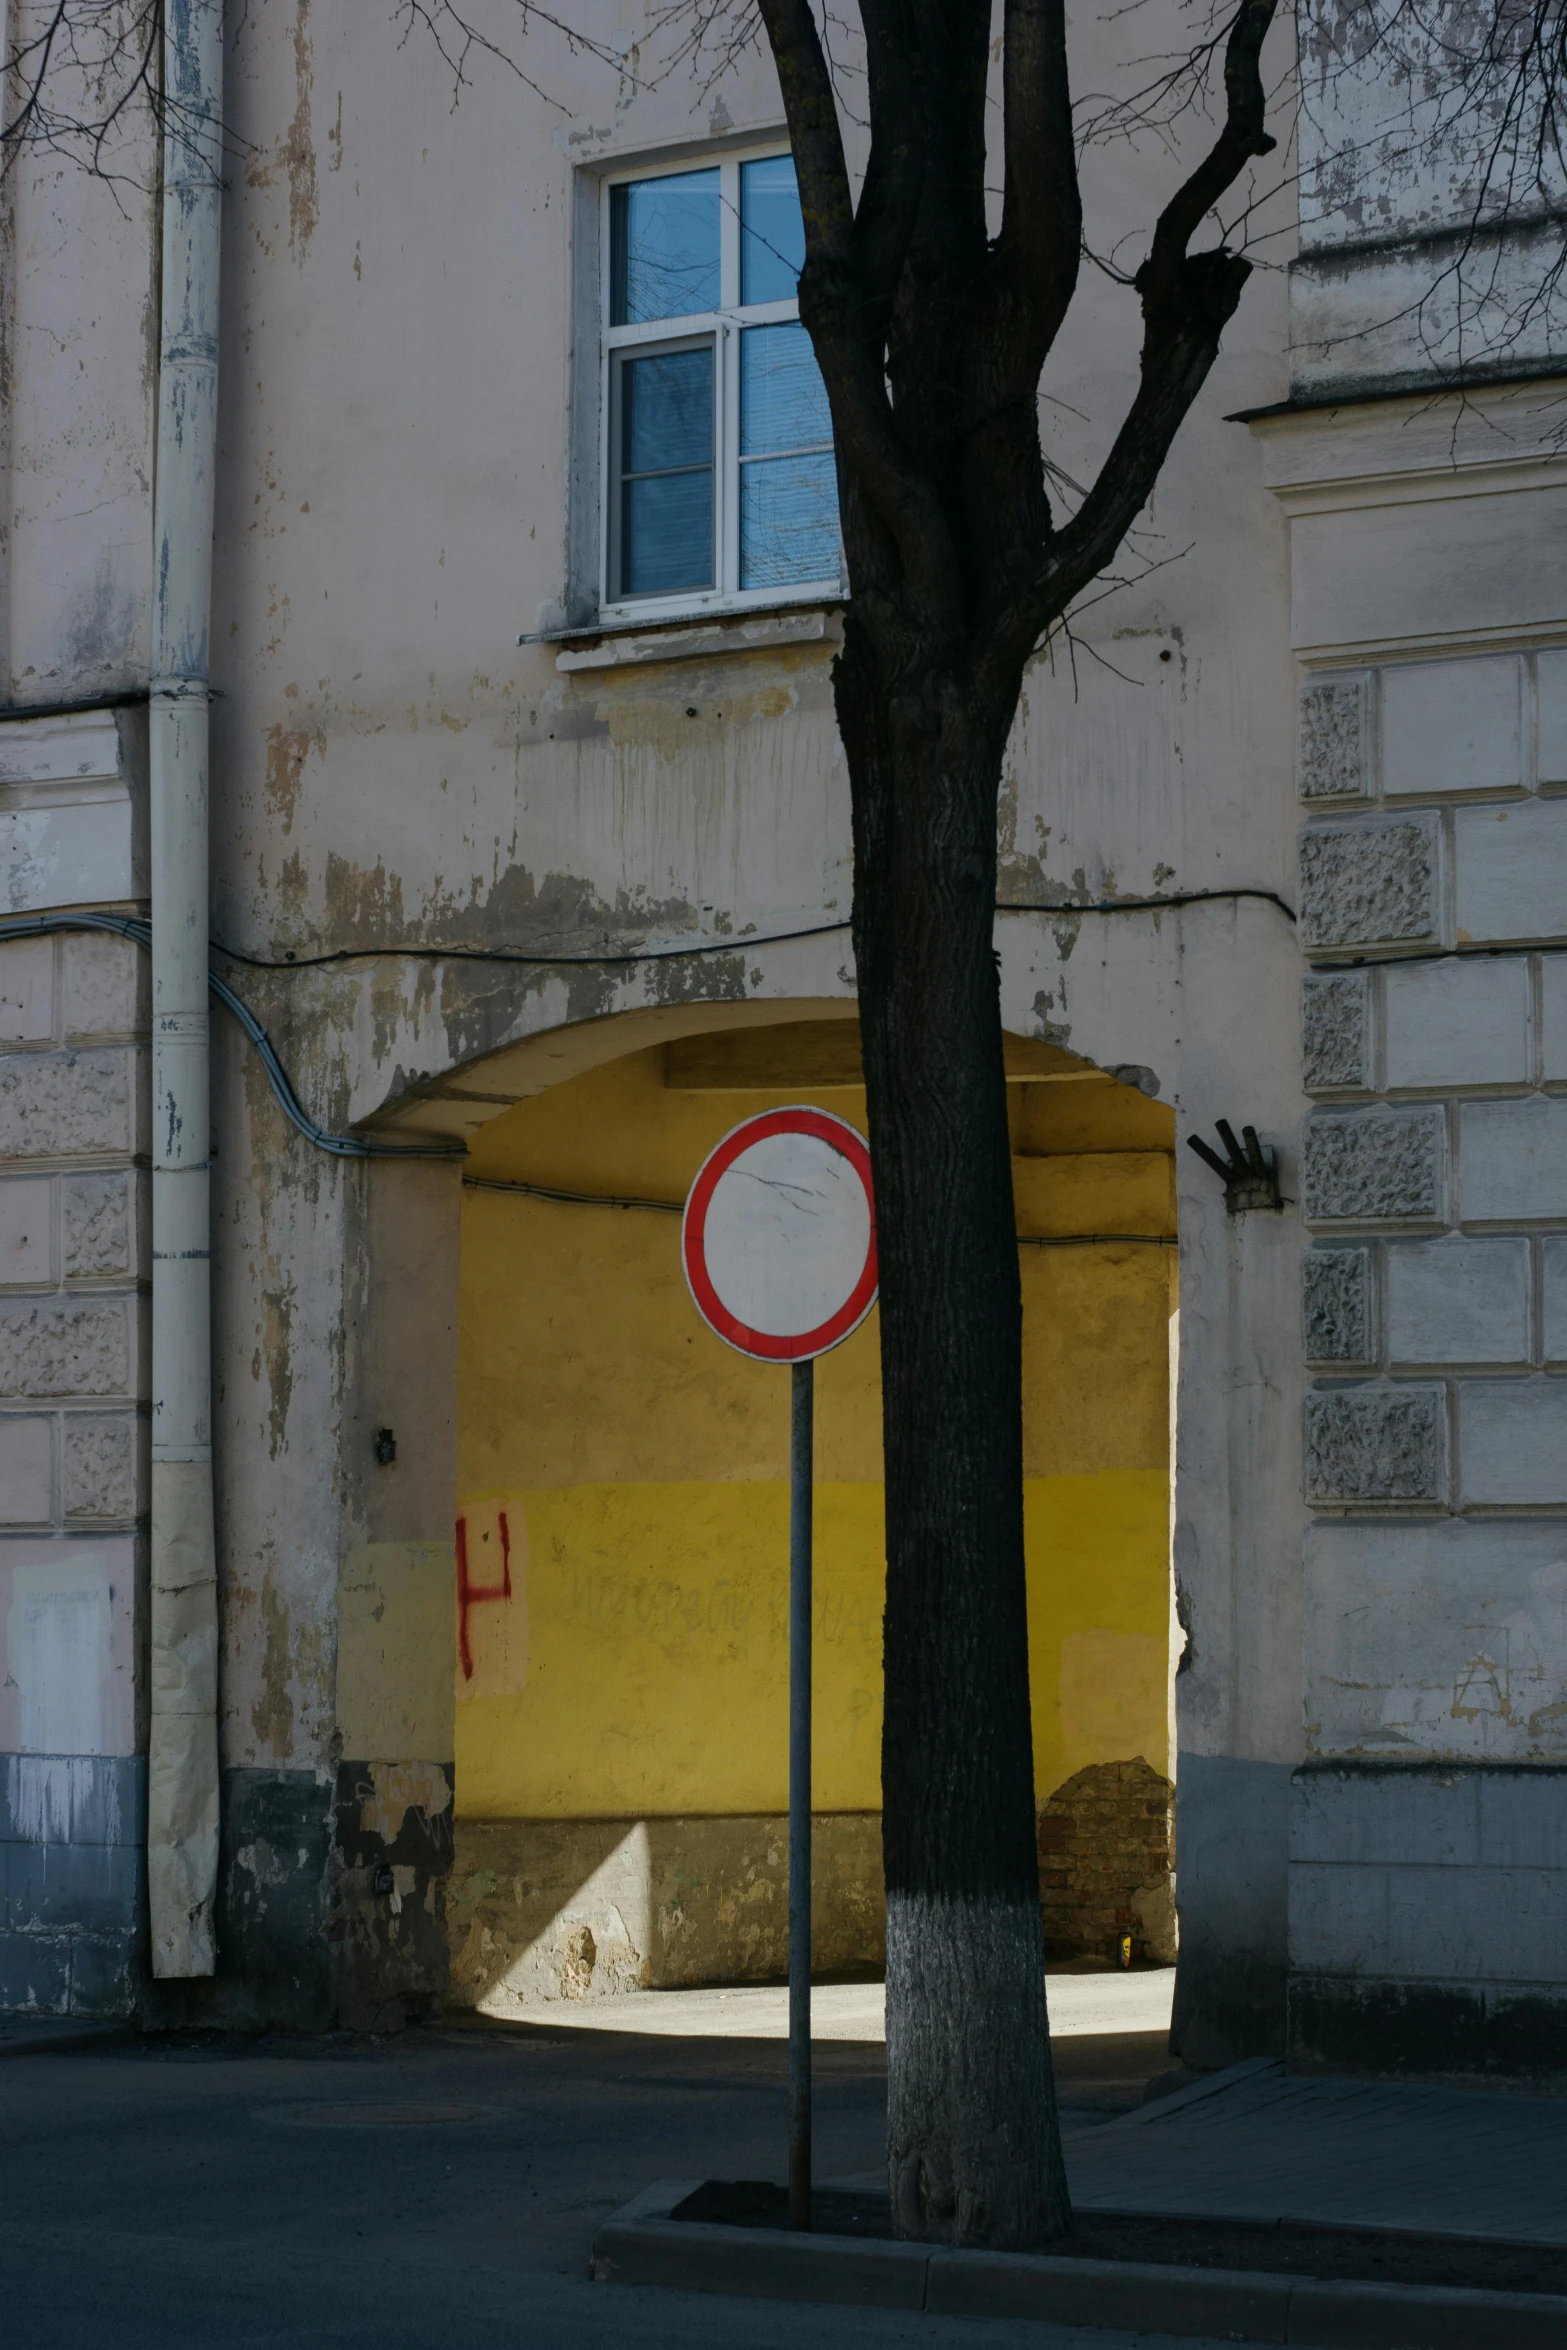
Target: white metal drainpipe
(182, 1764)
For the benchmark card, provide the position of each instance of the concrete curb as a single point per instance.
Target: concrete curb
(642, 2245)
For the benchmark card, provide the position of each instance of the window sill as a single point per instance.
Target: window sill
(621, 645)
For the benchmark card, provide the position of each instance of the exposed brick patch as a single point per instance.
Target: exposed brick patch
(1106, 1852)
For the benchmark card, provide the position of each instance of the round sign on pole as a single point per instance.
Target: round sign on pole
(779, 1235)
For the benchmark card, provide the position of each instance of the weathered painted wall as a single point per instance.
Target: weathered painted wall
(393, 771)
(1430, 201)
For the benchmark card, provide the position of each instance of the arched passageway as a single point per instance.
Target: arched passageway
(622, 1560)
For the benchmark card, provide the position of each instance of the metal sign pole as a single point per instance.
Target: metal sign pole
(800, 1477)
(778, 1241)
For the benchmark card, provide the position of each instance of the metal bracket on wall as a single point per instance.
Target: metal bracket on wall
(1249, 1171)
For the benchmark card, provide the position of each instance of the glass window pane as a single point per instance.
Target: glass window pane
(666, 410)
(666, 533)
(788, 521)
(663, 241)
(783, 401)
(772, 231)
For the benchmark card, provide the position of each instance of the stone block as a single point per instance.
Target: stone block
(26, 1470)
(21, 1887)
(71, 1687)
(1463, 1924)
(65, 1105)
(1511, 871)
(1475, 1925)
(104, 986)
(1334, 1030)
(1436, 1639)
(1523, 1818)
(1461, 1022)
(1513, 1160)
(73, 1798)
(1553, 1018)
(35, 1973)
(1333, 739)
(77, 746)
(1371, 1815)
(1512, 1441)
(109, 1799)
(1458, 1301)
(103, 1465)
(73, 847)
(1338, 1917)
(26, 990)
(1452, 725)
(104, 1973)
(102, 1214)
(66, 1347)
(1376, 1444)
(26, 1231)
(1337, 1306)
(1554, 1298)
(87, 1888)
(1368, 1166)
(1371, 882)
(1551, 720)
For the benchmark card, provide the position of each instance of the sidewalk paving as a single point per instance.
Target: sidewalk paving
(407, 2195)
(1081, 2001)
(1258, 2145)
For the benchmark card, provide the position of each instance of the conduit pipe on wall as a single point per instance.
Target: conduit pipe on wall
(182, 1763)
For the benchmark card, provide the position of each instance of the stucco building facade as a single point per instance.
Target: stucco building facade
(533, 855)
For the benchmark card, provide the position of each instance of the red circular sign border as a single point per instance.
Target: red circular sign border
(797, 1118)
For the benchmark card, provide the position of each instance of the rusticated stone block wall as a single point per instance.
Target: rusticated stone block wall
(74, 1435)
(1427, 1828)
(73, 1238)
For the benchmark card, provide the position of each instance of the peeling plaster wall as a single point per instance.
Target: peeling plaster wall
(391, 768)
(78, 361)
(1430, 221)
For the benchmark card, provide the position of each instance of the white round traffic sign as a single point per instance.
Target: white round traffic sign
(779, 1235)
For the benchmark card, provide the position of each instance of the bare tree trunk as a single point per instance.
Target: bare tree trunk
(970, 2159)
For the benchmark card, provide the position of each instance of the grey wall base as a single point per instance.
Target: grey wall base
(1428, 1918)
(322, 1923)
(73, 1937)
(1370, 2026)
(1231, 1896)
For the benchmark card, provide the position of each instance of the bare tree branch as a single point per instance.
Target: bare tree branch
(1042, 208)
(834, 307)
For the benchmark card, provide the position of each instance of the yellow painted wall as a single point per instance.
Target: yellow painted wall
(640, 1664)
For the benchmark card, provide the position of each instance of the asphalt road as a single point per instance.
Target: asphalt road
(442, 2188)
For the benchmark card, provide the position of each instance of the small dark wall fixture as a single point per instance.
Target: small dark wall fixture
(385, 1447)
(1249, 1171)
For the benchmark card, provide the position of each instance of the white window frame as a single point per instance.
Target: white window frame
(722, 327)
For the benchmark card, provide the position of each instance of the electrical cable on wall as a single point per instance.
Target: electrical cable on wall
(740, 944)
(675, 1207)
(358, 1146)
(343, 1146)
